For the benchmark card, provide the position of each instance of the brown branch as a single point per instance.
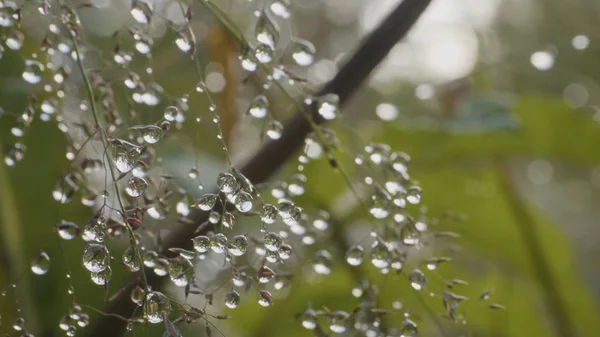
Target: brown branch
(274, 154)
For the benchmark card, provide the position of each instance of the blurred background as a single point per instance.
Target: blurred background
(495, 101)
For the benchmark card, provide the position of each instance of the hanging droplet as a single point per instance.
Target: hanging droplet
(207, 202)
(227, 183)
(273, 241)
(281, 8)
(355, 256)
(95, 257)
(14, 41)
(309, 319)
(328, 106)
(228, 220)
(19, 324)
(66, 186)
(247, 61)
(141, 11)
(40, 264)
(136, 187)
(95, 230)
(268, 214)
(14, 154)
(161, 268)
(102, 277)
(264, 298)
(266, 31)
(238, 245)
(67, 230)
(130, 259)
(322, 262)
(303, 52)
(201, 243)
(285, 251)
(259, 107)
(380, 256)
(156, 306)
(274, 129)
(218, 243)
(232, 299)
(417, 279)
(181, 271)
(410, 235)
(408, 328)
(265, 274)
(413, 195)
(186, 41)
(243, 202)
(264, 53)
(125, 155)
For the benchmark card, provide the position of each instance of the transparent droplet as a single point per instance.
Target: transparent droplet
(264, 53)
(265, 274)
(266, 31)
(14, 41)
(338, 322)
(207, 202)
(19, 324)
(285, 251)
(181, 271)
(161, 268)
(328, 106)
(247, 61)
(413, 195)
(290, 214)
(259, 107)
(274, 129)
(66, 186)
(355, 256)
(238, 245)
(157, 305)
(136, 187)
(322, 262)
(152, 133)
(232, 299)
(137, 295)
(228, 220)
(67, 230)
(303, 52)
(201, 243)
(380, 256)
(309, 319)
(125, 155)
(95, 257)
(40, 264)
(130, 259)
(14, 154)
(218, 243)
(150, 257)
(417, 279)
(95, 230)
(174, 114)
(227, 183)
(273, 241)
(186, 41)
(408, 328)
(102, 277)
(264, 298)
(281, 8)
(268, 214)
(243, 202)
(141, 11)
(410, 235)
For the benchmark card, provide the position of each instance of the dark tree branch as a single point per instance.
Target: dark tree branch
(274, 154)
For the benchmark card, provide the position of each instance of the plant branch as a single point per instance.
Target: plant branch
(527, 228)
(273, 155)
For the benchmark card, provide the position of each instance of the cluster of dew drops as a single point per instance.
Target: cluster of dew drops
(129, 160)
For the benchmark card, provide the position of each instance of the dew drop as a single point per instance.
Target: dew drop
(14, 41)
(264, 53)
(303, 52)
(201, 243)
(136, 187)
(157, 305)
(264, 298)
(238, 245)
(265, 274)
(309, 319)
(207, 202)
(101, 278)
(322, 262)
(40, 264)
(95, 230)
(268, 213)
(281, 8)
(266, 31)
(218, 243)
(355, 256)
(95, 257)
(328, 106)
(232, 299)
(274, 129)
(227, 183)
(243, 202)
(181, 271)
(380, 256)
(67, 230)
(130, 259)
(417, 279)
(186, 41)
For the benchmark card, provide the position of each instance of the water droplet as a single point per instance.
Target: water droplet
(274, 129)
(309, 319)
(303, 52)
(136, 187)
(542, 60)
(186, 41)
(101, 278)
(218, 243)
(266, 31)
(130, 259)
(66, 186)
(328, 106)
(150, 258)
(247, 62)
(40, 263)
(413, 195)
(161, 268)
(181, 271)
(137, 295)
(338, 321)
(264, 298)
(19, 324)
(273, 241)
(238, 245)
(264, 53)
(227, 183)
(417, 279)
(408, 328)
(380, 256)
(201, 243)
(125, 155)
(14, 41)
(232, 299)
(14, 154)
(410, 235)
(207, 202)
(281, 8)
(141, 11)
(67, 230)
(243, 202)
(95, 230)
(285, 251)
(268, 213)
(355, 256)
(322, 262)
(95, 257)
(265, 274)
(259, 107)
(156, 306)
